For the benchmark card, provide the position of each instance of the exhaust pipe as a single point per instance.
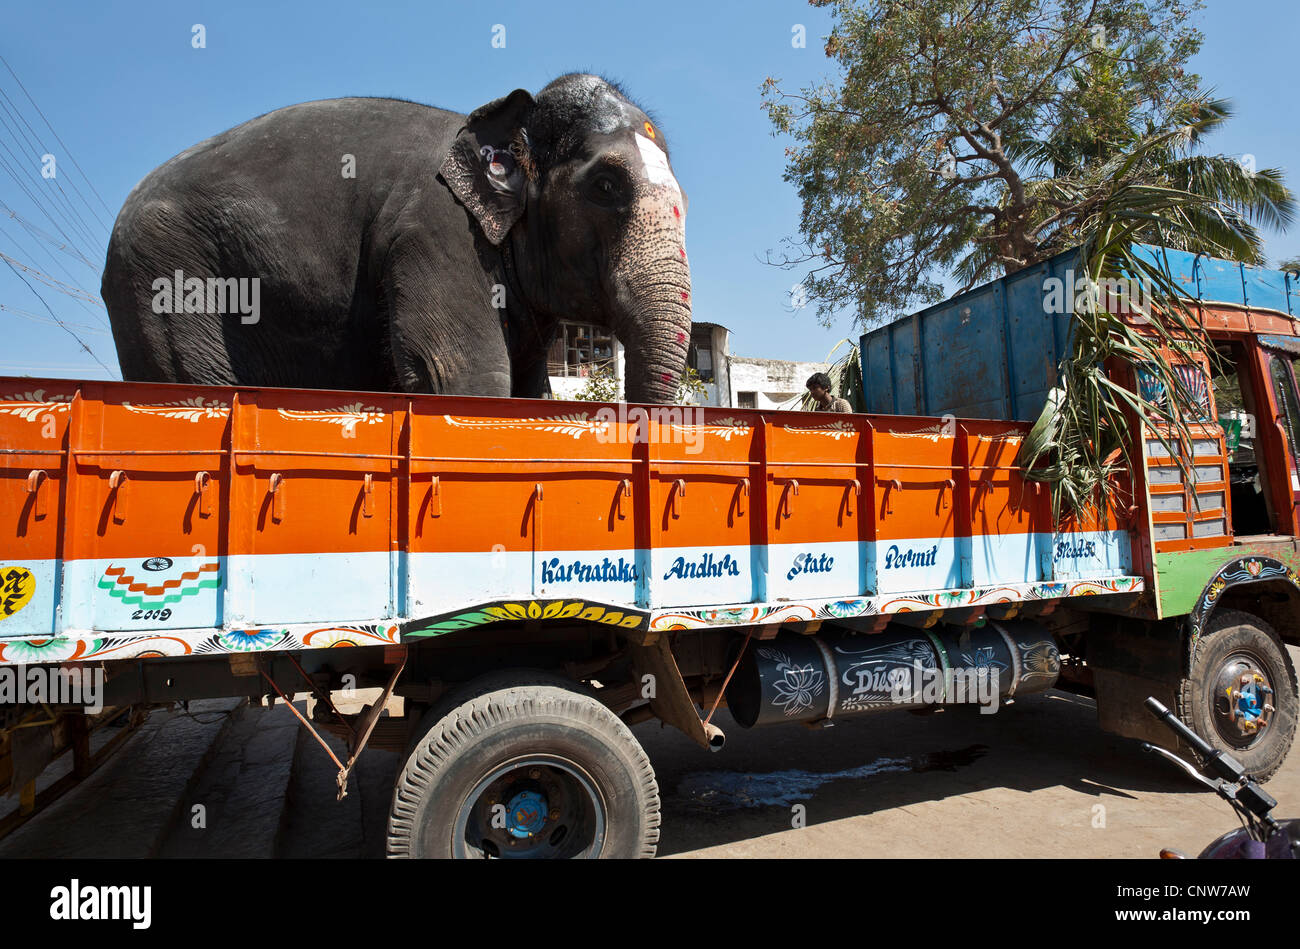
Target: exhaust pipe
(794, 678)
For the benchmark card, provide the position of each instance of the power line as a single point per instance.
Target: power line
(48, 238)
(27, 368)
(80, 342)
(100, 317)
(35, 318)
(37, 152)
(67, 150)
(75, 292)
(26, 250)
(39, 204)
(60, 204)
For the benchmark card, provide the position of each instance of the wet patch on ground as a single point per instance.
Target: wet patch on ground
(732, 790)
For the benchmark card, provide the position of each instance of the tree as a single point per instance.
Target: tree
(939, 146)
(1228, 196)
(602, 385)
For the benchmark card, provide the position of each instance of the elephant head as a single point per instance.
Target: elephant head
(575, 188)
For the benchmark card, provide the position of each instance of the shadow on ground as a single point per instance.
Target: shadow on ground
(893, 760)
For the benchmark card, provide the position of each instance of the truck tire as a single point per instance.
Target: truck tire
(536, 771)
(1235, 644)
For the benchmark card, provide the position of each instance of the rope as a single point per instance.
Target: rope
(727, 681)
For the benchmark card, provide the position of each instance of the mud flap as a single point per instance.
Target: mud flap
(1129, 661)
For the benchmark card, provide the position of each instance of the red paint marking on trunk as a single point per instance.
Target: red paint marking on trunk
(685, 296)
(676, 213)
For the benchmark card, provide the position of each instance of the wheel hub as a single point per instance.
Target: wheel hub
(1243, 704)
(528, 814)
(536, 806)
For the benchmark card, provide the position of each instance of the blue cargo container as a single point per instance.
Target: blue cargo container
(992, 352)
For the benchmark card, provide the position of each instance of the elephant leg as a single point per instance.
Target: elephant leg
(444, 335)
(531, 380)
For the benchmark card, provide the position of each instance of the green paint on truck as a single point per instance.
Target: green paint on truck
(1185, 577)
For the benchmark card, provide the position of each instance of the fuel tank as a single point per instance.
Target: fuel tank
(796, 678)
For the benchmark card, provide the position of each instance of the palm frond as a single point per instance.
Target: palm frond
(1083, 433)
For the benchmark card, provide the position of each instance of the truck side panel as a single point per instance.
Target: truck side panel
(147, 519)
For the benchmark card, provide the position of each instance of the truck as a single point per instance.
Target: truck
(532, 577)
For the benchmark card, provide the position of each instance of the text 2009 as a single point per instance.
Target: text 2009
(151, 614)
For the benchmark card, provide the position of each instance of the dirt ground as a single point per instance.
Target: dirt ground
(1037, 779)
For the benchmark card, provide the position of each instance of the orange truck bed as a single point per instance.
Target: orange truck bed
(141, 520)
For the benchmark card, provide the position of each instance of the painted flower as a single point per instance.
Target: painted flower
(844, 608)
(1042, 659)
(250, 640)
(37, 650)
(797, 689)
(331, 636)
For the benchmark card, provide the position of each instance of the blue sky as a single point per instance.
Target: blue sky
(125, 90)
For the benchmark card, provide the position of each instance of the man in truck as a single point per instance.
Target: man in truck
(819, 384)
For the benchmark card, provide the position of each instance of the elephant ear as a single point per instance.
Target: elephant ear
(486, 167)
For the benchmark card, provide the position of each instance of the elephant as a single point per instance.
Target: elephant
(384, 245)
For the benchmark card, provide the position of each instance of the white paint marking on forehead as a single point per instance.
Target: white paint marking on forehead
(656, 163)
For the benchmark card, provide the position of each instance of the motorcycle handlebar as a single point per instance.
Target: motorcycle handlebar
(1195, 741)
(1244, 793)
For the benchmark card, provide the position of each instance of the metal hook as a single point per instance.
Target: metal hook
(201, 482)
(277, 496)
(35, 478)
(117, 489)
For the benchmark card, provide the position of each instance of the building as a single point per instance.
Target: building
(580, 350)
(769, 383)
(710, 358)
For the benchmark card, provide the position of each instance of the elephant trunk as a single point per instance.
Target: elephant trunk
(657, 337)
(653, 287)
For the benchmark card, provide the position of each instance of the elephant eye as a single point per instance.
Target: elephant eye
(606, 189)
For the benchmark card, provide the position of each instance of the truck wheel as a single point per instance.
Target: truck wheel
(1241, 665)
(526, 771)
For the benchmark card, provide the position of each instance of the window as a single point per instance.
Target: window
(1250, 509)
(1284, 390)
(578, 349)
(746, 400)
(700, 357)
